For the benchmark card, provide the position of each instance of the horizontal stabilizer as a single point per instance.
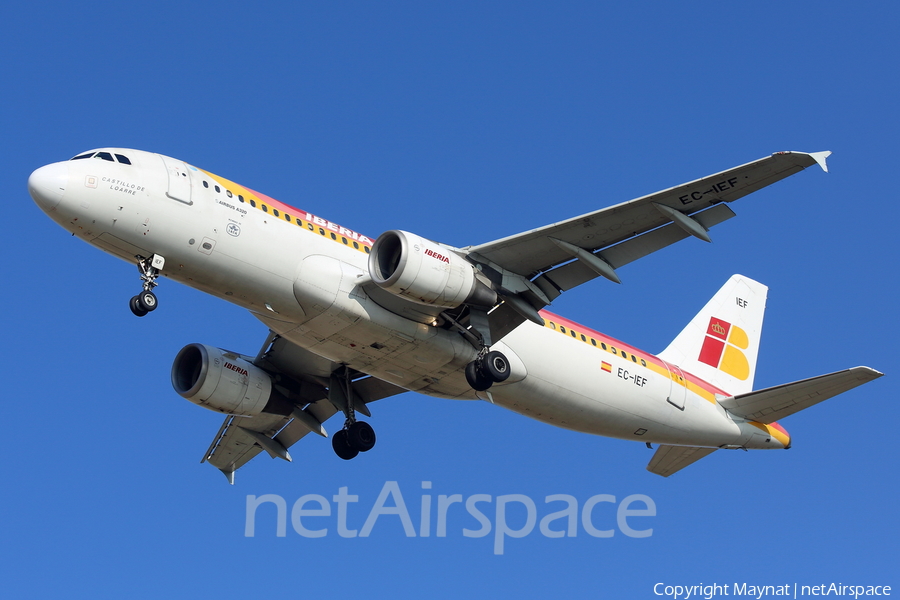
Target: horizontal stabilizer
(670, 459)
(774, 403)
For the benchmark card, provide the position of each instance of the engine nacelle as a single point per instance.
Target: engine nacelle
(424, 272)
(221, 381)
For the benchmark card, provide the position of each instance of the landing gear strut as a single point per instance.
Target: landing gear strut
(489, 367)
(356, 436)
(149, 269)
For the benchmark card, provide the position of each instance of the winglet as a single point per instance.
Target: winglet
(229, 475)
(820, 157)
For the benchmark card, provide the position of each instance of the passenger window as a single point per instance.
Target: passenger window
(633, 358)
(572, 331)
(205, 184)
(265, 208)
(287, 217)
(240, 198)
(228, 193)
(123, 159)
(583, 338)
(253, 203)
(602, 345)
(275, 211)
(80, 156)
(105, 156)
(593, 342)
(343, 239)
(367, 249)
(562, 329)
(356, 245)
(218, 190)
(334, 237)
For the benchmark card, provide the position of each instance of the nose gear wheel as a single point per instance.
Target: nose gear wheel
(146, 301)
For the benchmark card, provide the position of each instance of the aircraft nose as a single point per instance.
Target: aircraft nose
(48, 184)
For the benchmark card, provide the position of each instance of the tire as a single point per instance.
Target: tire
(477, 381)
(495, 366)
(147, 301)
(361, 436)
(136, 309)
(342, 447)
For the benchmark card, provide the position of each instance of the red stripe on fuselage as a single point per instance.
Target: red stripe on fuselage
(609, 341)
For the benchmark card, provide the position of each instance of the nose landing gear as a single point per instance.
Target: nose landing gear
(146, 301)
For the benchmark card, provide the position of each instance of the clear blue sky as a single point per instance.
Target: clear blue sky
(462, 122)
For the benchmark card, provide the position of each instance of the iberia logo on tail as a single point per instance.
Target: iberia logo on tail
(723, 348)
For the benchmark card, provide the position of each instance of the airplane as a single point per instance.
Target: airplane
(354, 319)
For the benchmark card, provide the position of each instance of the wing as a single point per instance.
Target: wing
(602, 241)
(305, 379)
(774, 403)
(528, 271)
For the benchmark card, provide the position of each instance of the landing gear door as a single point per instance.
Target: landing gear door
(179, 180)
(677, 386)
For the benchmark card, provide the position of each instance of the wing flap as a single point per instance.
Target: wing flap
(575, 273)
(671, 459)
(297, 430)
(233, 447)
(774, 403)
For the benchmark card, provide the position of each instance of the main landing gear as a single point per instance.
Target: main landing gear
(489, 368)
(146, 301)
(356, 436)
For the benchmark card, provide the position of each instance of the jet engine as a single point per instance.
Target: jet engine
(224, 382)
(425, 272)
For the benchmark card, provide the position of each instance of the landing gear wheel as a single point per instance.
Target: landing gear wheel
(341, 445)
(495, 366)
(147, 301)
(136, 308)
(360, 436)
(476, 379)
(149, 269)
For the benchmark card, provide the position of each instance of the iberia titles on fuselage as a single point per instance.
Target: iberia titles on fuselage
(355, 319)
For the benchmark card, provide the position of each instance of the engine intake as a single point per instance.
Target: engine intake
(425, 272)
(224, 382)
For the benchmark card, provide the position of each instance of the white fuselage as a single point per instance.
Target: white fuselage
(304, 279)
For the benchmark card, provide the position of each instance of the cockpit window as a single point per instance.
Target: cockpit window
(105, 156)
(123, 159)
(80, 156)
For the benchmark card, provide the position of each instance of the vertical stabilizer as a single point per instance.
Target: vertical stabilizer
(721, 343)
